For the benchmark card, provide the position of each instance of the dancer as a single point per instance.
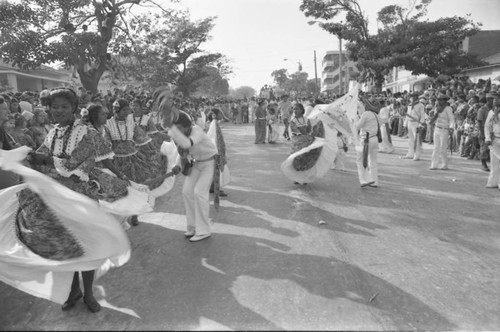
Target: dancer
(314, 148)
(53, 231)
(444, 122)
(366, 160)
(272, 124)
(260, 122)
(385, 129)
(200, 153)
(221, 174)
(492, 140)
(416, 121)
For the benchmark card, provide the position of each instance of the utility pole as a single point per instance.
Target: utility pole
(340, 65)
(315, 76)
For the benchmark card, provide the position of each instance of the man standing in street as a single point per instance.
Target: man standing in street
(484, 152)
(416, 121)
(284, 109)
(443, 121)
(384, 115)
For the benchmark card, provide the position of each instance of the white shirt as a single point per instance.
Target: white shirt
(496, 127)
(368, 124)
(417, 113)
(384, 115)
(203, 147)
(445, 119)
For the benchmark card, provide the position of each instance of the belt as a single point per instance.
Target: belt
(442, 127)
(200, 161)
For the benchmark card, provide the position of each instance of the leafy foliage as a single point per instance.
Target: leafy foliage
(166, 48)
(404, 38)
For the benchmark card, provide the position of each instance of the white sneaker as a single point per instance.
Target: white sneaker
(199, 237)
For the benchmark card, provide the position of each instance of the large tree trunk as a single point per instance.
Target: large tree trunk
(90, 79)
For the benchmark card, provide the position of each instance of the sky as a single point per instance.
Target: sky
(258, 35)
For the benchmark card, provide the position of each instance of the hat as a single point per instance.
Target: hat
(442, 96)
(374, 106)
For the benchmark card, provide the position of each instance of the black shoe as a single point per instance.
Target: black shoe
(295, 183)
(71, 301)
(485, 168)
(134, 221)
(92, 304)
(222, 194)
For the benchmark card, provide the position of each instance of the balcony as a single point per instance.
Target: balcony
(327, 63)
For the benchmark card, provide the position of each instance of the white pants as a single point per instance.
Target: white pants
(440, 151)
(385, 146)
(494, 178)
(338, 163)
(412, 136)
(195, 193)
(369, 173)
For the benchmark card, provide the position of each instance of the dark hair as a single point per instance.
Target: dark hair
(19, 120)
(93, 112)
(301, 107)
(65, 93)
(137, 101)
(122, 104)
(184, 120)
(2, 100)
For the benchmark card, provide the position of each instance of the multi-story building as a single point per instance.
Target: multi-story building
(330, 73)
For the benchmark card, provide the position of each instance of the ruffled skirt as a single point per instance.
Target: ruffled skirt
(312, 155)
(48, 231)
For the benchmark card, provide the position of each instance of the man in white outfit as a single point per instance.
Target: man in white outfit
(492, 140)
(195, 192)
(444, 122)
(369, 124)
(384, 115)
(416, 121)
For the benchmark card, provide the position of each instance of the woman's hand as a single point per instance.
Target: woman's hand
(176, 169)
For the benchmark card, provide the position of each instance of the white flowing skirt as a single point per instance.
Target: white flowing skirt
(104, 243)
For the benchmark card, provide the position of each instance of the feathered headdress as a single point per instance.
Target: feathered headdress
(164, 98)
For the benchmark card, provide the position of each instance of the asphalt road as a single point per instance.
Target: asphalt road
(422, 251)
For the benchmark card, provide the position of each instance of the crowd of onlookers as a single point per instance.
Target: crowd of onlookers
(29, 120)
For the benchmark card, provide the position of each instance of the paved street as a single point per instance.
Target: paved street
(420, 252)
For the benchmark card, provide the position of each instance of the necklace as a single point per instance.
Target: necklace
(120, 132)
(138, 123)
(65, 139)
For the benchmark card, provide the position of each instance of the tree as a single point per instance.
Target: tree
(212, 85)
(243, 92)
(297, 84)
(77, 32)
(280, 77)
(166, 48)
(423, 47)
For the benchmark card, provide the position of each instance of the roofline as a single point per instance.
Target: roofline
(483, 67)
(32, 76)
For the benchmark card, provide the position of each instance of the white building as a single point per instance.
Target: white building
(330, 70)
(15, 79)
